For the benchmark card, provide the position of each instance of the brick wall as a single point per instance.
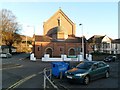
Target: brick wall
(57, 48)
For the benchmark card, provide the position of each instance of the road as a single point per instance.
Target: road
(17, 70)
(29, 74)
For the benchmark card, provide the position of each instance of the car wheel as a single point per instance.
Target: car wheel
(86, 80)
(107, 74)
(113, 60)
(6, 56)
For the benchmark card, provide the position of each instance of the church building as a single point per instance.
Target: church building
(58, 38)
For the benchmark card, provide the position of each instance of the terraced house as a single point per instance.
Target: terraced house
(58, 37)
(115, 46)
(104, 44)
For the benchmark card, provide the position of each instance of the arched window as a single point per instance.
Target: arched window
(71, 51)
(49, 51)
(38, 48)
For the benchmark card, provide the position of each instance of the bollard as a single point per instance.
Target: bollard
(50, 74)
(44, 79)
(47, 78)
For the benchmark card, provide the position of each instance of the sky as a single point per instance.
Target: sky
(97, 18)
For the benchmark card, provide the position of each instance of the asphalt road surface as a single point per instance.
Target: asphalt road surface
(17, 71)
(28, 74)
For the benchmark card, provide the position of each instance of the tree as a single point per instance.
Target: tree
(9, 28)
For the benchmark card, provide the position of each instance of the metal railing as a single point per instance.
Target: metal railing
(48, 77)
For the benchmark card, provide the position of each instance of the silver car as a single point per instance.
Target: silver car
(5, 55)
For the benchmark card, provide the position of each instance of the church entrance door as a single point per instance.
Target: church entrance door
(49, 51)
(72, 52)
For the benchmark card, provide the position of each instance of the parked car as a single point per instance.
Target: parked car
(110, 59)
(5, 55)
(87, 71)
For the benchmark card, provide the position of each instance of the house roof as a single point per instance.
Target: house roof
(96, 39)
(74, 39)
(116, 41)
(5, 46)
(42, 38)
(70, 39)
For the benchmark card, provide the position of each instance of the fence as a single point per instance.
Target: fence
(65, 58)
(48, 77)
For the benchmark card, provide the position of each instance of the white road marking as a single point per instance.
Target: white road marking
(40, 72)
(21, 59)
(12, 67)
(22, 81)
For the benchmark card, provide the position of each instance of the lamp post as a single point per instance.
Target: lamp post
(26, 41)
(82, 42)
(33, 37)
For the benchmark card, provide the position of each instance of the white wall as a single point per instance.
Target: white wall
(116, 48)
(106, 39)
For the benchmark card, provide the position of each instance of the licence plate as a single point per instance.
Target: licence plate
(69, 77)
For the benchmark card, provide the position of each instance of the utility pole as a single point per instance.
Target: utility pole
(33, 38)
(82, 41)
(26, 41)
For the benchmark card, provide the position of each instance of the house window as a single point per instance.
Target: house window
(108, 45)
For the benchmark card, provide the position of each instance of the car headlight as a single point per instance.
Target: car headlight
(79, 74)
(66, 72)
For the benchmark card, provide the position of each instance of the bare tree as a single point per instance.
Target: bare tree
(9, 28)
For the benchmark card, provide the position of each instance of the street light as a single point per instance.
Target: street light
(34, 37)
(26, 41)
(82, 42)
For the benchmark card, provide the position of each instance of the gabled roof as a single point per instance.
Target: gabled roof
(96, 39)
(116, 41)
(63, 14)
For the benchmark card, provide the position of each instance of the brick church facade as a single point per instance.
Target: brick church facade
(58, 38)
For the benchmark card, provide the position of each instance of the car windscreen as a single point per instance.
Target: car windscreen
(109, 57)
(84, 65)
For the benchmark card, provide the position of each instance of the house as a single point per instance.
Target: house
(5, 49)
(99, 43)
(25, 44)
(115, 46)
(58, 37)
